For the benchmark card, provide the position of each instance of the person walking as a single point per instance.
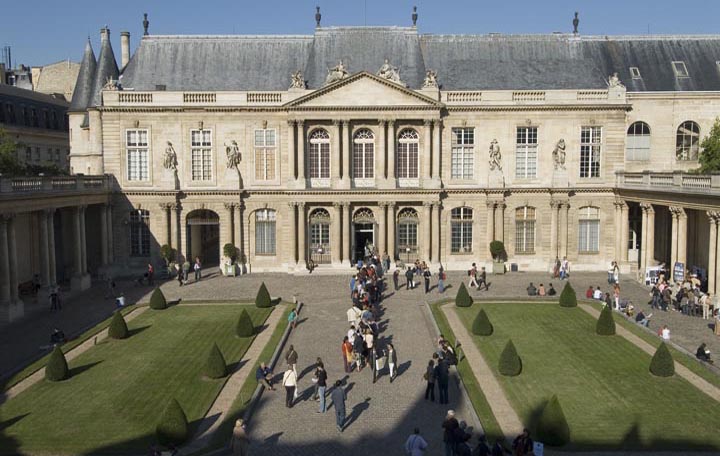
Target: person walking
(441, 280)
(318, 362)
(396, 278)
(442, 377)
(150, 274)
(290, 384)
(198, 269)
(338, 397)
(482, 279)
(178, 273)
(429, 377)
(473, 276)
(426, 275)
(415, 445)
(410, 284)
(347, 354)
(564, 269)
(239, 444)
(291, 358)
(449, 425)
(322, 386)
(392, 361)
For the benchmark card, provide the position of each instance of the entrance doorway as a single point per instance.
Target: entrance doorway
(203, 237)
(364, 237)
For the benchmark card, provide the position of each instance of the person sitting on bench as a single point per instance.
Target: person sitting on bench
(531, 290)
(703, 354)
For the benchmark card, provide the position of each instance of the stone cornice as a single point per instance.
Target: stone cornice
(540, 107)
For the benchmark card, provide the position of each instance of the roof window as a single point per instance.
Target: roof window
(635, 73)
(680, 69)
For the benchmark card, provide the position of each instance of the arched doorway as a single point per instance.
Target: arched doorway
(363, 233)
(203, 236)
(320, 236)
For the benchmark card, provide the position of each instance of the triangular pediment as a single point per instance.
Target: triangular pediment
(364, 90)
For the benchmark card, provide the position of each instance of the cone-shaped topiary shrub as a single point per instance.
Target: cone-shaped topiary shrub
(262, 299)
(606, 324)
(552, 427)
(662, 364)
(482, 326)
(568, 297)
(463, 298)
(510, 363)
(118, 328)
(215, 367)
(157, 300)
(57, 368)
(245, 327)
(173, 426)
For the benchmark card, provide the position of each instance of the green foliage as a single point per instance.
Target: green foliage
(168, 253)
(245, 326)
(230, 251)
(662, 364)
(173, 426)
(605, 324)
(463, 298)
(710, 156)
(57, 368)
(118, 328)
(568, 297)
(482, 326)
(215, 366)
(157, 300)
(9, 163)
(262, 299)
(510, 363)
(497, 250)
(552, 427)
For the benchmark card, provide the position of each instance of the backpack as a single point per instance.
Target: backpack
(469, 272)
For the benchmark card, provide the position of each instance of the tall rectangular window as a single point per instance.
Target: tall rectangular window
(136, 143)
(526, 150)
(589, 230)
(463, 153)
(590, 147)
(140, 233)
(265, 150)
(525, 230)
(265, 232)
(461, 223)
(201, 155)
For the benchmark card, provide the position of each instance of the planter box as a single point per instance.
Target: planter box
(498, 267)
(229, 270)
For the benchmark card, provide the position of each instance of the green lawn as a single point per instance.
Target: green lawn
(120, 388)
(609, 398)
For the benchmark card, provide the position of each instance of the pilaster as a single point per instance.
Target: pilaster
(391, 230)
(391, 140)
(301, 140)
(427, 224)
(336, 234)
(437, 216)
(291, 150)
(346, 154)
(382, 231)
(712, 252)
(347, 233)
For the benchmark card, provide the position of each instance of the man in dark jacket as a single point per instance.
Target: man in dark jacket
(442, 377)
(523, 444)
(449, 427)
(409, 277)
(338, 398)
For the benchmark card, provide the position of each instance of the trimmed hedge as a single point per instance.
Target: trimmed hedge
(245, 326)
(482, 326)
(57, 368)
(463, 298)
(662, 364)
(215, 366)
(552, 427)
(262, 299)
(568, 297)
(173, 426)
(510, 363)
(157, 300)
(118, 328)
(605, 324)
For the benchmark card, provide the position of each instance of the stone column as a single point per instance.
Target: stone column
(336, 234)
(648, 241)
(391, 231)
(391, 152)
(5, 285)
(436, 232)
(239, 233)
(382, 217)
(490, 224)
(335, 153)
(381, 151)
(681, 237)
(625, 233)
(500, 221)
(301, 152)
(347, 233)
(712, 252)
(302, 237)
(180, 232)
(346, 154)
(563, 242)
(293, 233)
(426, 152)
(226, 228)
(643, 241)
(51, 245)
(83, 242)
(436, 152)
(110, 232)
(291, 150)
(674, 236)
(427, 224)
(554, 229)
(12, 254)
(103, 235)
(77, 239)
(43, 249)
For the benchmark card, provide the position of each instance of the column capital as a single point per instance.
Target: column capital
(437, 204)
(300, 122)
(291, 122)
(392, 204)
(437, 122)
(50, 210)
(647, 207)
(620, 204)
(713, 216)
(428, 204)
(676, 211)
(346, 204)
(165, 206)
(337, 122)
(501, 205)
(230, 206)
(337, 205)
(240, 206)
(490, 204)
(301, 204)
(176, 207)
(382, 203)
(390, 122)
(345, 123)
(292, 204)
(382, 122)
(428, 122)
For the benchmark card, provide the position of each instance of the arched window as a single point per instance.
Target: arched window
(687, 142)
(589, 226)
(525, 230)
(407, 154)
(407, 233)
(319, 155)
(364, 154)
(638, 142)
(320, 236)
(265, 232)
(140, 233)
(461, 225)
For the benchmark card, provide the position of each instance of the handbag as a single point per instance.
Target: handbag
(314, 379)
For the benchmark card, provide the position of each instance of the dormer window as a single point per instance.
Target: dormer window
(635, 73)
(680, 70)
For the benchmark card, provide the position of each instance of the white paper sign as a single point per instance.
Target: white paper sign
(538, 448)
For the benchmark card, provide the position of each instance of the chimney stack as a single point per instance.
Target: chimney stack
(124, 49)
(104, 34)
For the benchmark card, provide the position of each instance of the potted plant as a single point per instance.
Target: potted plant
(499, 256)
(168, 254)
(230, 252)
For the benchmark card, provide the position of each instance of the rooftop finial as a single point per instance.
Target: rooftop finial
(318, 16)
(414, 16)
(146, 24)
(576, 21)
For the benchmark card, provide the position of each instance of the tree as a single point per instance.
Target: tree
(662, 364)
(510, 363)
(157, 300)
(245, 326)
(262, 299)
(9, 163)
(215, 367)
(497, 250)
(482, 326)
(568, 297)
(118, 328)
(57, 367)
(463, 298)
(168, 254)
(230, 251)
(552, 427)
(710, 157)
(173, 426)
(605, 324)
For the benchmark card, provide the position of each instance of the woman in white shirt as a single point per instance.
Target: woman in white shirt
(290, 383)
(665, 333)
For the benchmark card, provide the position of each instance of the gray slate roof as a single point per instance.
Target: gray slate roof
(463, 62)
(106, 69)
(86, 78)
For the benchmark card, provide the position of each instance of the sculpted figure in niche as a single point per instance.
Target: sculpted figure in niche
(389, 72)
(558, 154)
(233, 155)
(170, 157)
(297, 81)
(495, 157)
(430, 81)
(336, 73)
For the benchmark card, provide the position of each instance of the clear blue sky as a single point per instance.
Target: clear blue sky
(60, 31)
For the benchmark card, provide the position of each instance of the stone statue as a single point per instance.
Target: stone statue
(170, 158)
(111, 84)
(389, 72)
(558, 154)
(495, 156)
(297, 81)
(430, 81)
(336, 73)
(614, 81)
(233, 155)
(576, 22)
